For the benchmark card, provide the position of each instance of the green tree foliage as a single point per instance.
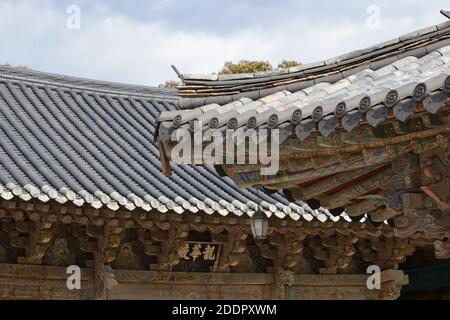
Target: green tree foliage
(285, 64)
(251, 66)
(245, 66)
(20, 66)
(170, 84)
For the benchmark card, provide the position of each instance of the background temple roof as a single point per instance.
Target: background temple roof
(200, 89)
(328, 108)
(89, 142)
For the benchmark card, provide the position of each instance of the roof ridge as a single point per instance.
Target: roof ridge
(199, 90)
(73, 82)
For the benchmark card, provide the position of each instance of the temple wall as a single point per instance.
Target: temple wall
(42, 282)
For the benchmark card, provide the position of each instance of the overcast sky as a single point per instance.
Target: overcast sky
(136, 41)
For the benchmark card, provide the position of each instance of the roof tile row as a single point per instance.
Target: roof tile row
(91, 144)
(371, 94)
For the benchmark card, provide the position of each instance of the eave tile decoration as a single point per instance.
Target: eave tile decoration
(372, 141)
(88, 143)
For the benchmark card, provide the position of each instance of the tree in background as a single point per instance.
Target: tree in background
(20, 66)
(170, 84)
(245, 66)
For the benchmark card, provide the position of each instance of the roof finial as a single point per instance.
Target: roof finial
(178, 73)
(445, 13)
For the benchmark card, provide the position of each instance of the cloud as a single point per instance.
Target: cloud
(116, 47)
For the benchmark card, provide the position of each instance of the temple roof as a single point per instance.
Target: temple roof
(369, 94)
(345, 134)
(198, 90)
(89, 142)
